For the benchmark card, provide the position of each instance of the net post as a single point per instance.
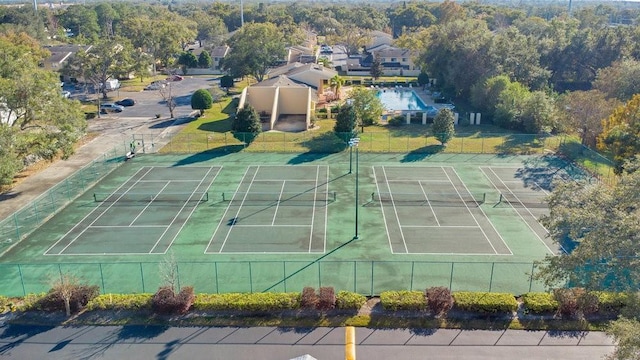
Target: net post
(95, 197)
(484, 197)
(334, 196)
(206, 196)
(373, 196)
(223, 199)
(501, 198)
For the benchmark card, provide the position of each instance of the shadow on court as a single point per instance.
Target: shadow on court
(422, 153)
(209, 154)
(541, 173)
(284, 280)
(318, 148)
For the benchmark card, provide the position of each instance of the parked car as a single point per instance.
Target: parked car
(110, 107)
(175, 78)
(126, 102)
(156, 85)
(326, 49)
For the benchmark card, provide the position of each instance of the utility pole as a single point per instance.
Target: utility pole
(241, 13)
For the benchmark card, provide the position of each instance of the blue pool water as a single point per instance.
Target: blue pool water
(402, 100)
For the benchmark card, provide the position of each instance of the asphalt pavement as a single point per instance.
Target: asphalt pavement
(239, 343)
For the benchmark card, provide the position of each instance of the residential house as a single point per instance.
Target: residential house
(218, 53)
(300, 54)
(288, 97)
(395, 61)
(60, 54)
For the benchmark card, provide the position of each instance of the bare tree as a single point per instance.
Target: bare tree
(169, 272)
(66, 286)
(167, 96)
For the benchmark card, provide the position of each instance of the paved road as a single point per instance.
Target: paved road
(137, 342)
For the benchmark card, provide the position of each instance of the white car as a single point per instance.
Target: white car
(156, 85)
(110, 107)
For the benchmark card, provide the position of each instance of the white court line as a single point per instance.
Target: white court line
(262, 225)
(541, 188)
(518, 212)
(469, 210)
(384, 219)
(446, 226)
(278, 180)
(240, 207)
(395, 210)
(313, 211)
(149, 204)
(275, 213)
(326, 212)
(483, 213)
(226, 210)
(127, 226)
(103, 212)
(429, 202)
(413, 180)
(454, 254)
(182, 208)
(160, 181)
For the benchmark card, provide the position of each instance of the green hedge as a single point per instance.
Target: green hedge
(121, 302)
(485, 302)
(610, 301)
(347, 300)
(247, 302)
(403, 300)
(538, 302)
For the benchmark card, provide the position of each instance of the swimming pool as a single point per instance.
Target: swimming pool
(403, 100)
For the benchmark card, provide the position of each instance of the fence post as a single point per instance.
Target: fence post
(284, 275)
(142, 277)
(493, 264)
(102, 278)
(178, 275)
(413, 263)
(533, 266)
(355, 276)
(215, 267)
(250, 279)
(451, 277)
(372, 263)
(24, 290)
(319, 276)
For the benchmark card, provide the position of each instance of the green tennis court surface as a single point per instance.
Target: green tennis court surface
(256, 222)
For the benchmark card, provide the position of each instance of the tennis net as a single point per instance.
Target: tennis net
(198, 196)
(275, 197)
(432, 199)
(523, 200)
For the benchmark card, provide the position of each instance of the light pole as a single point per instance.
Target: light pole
(353, 142)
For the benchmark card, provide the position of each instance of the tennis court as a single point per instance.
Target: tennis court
(429, 210)
(275, 209)
(144, 215)
(278, 222)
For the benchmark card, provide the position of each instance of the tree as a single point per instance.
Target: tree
(204, 60)
(423, 79)
(443, 129)
(626, 334)
(201, 100)
(352, 37)
(620, 80)
(376, 68)
(621, 132)
(107, 59)
(167, 96)
(226, 82)
(254, 49)
(42, 129)
(345, 123)
(81, 20)
(583, 113)
(246, 125)
(187, 60)
(367, 106)
(336, 83)
(485, 94)
(601, 226)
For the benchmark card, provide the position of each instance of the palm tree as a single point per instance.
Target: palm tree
(336, 83)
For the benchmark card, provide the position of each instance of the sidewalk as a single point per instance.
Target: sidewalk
(112, 133)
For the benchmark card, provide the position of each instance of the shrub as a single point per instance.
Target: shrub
(80, 297)
(309, 298)
(403, 300)
(485, 302)
(439, 300)
(610, 301)
(166, 301)
(322, 110)
(537, 303)
(397, 120)
(326, 298)
(347, 300)
(121, 302)
(575, 302)
(247, 302)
